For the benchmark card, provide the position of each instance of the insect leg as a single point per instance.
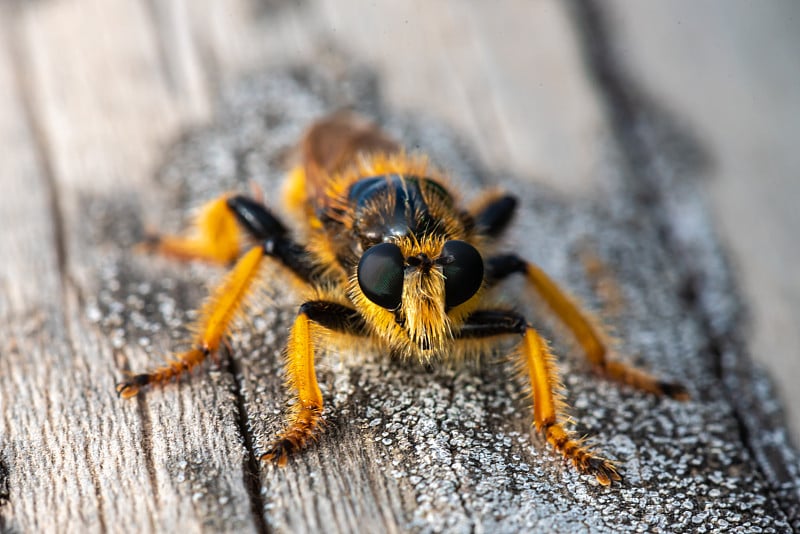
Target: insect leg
(255, 218)
(219, 235)
(215, 318)
(588, 334)
(539, 364)
(263, 226)
(306, 414)
(215, 236)
(493, 213)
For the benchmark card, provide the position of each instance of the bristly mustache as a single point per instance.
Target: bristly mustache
(426, 320)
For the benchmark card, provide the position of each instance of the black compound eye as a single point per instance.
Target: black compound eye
(462, 267)
(380, 275)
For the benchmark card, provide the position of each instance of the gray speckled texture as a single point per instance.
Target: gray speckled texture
(451, 448)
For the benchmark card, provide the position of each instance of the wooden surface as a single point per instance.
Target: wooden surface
(733, 80)
(97, 93)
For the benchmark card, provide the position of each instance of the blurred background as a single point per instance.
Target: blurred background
(95, 91)
(729, 71)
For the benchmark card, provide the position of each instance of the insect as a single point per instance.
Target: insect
(391, 256)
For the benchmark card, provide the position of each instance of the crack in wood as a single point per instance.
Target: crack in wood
(155, 16)
(147, 443)
(20, 59)
(5, 494)
(98, 494)
(251, 466)
(629, 115)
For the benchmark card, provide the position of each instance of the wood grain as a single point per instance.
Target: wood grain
(121, 114)
(749, 129)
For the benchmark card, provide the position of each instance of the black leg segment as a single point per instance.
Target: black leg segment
(501, 266)
(262, 225)
(255, 218)
(487, 323)
(494, 218)
(292, 255)
(335, 317)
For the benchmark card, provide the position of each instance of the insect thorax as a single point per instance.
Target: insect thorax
(391, 207)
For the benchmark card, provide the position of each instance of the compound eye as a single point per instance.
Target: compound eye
(462, 267)
(380, 275)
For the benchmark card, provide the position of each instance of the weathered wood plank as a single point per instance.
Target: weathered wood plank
(405, 448)
(663, 168)
(36, 363)
(91, 110)
(447, 449)
(734, 81)
(490, 72)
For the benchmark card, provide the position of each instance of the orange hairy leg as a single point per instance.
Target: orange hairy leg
(216, 237)
(305, 416)
(225, 219)
(591, 339)
(306, 413)
(216, 316)
(586, 332)
(538, 363)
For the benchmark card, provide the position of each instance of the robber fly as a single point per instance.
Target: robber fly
(393, 257)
